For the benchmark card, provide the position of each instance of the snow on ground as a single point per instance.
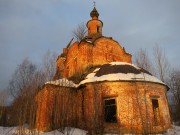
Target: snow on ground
(25, 131)
(174, 130)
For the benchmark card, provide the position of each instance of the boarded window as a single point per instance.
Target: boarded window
(110, 110)
(155, 106)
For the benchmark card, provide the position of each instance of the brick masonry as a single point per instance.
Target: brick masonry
(83, 107)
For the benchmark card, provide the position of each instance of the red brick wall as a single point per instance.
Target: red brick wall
(83, 108)
(132, 111)
(56, 107)
(103, 51)
(92, 27)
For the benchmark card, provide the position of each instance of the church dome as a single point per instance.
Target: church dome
(120, 71)
(94, 13)
(94, 25)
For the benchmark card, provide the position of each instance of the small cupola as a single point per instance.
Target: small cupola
(94, 13)
(94, 25)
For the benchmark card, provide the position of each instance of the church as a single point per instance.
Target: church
(97, 88)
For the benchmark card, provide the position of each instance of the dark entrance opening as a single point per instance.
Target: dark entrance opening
(156, 112)
(110, 110)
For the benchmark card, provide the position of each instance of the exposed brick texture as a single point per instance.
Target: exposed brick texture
(83, 107)
(56, 107)
(134, 107)
(83, 55)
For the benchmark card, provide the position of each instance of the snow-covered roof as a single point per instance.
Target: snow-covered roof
(119, 71)
(114, 71)
(63, 82)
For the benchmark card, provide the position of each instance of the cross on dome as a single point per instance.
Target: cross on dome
(94, 12)
(94, 4)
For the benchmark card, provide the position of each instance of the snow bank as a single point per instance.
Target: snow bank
(17, 131)
(67, 131)
(174, 130)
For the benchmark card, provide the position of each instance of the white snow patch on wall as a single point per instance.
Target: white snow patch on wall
(63, 82)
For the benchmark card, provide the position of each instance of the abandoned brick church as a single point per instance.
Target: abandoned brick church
(98, 89)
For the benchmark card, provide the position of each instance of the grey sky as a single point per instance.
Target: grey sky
(28, 28)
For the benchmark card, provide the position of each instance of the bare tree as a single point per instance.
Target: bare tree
(142, 60)
(22, 88)
(174, 84)
(25, 74)
(3, 97)
(21, 77)
(3, 104)
(49, 65)
(161, 63)
(25, 83)
(80, 32)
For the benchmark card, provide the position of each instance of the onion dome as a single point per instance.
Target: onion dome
(94, 25)
(94, 13)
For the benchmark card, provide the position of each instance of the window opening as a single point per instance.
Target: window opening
(98, 29)
(110, 110)
(156, 112)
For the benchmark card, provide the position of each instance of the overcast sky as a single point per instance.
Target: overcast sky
(28, 28)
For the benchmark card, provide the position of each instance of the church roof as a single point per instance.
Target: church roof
(114, 71)
(94, 12)
(120, 71)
